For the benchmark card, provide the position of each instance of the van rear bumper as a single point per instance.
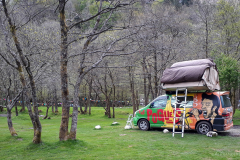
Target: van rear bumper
(228, 127)
(222, 127)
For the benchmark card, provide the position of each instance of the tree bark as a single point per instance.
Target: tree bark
(23, 104)
(89, 96)
(55, 99)
(144, 80)
(48, 106)
(233, 99)
(131, 81)
(155, 75)
(10, 125)
(63, 133)
(73, 130)
(15, 90)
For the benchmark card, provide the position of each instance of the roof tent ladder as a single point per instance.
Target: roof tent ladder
(184, 111)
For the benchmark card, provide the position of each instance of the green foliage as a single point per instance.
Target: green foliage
(92, 7)
(228, 68)
(227, 21)
(80, 5)
(236, 117)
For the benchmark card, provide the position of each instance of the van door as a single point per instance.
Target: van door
(225, 122)
(180, 108)
(155, 113)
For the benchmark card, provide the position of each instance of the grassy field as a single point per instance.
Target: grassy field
(111, 142)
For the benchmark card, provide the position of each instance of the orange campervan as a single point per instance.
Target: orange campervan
(205, 111)
(201, 108)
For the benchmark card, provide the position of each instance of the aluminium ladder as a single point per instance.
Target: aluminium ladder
(184, 111)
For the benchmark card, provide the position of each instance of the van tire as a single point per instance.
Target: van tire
(143, 124)
(203, 127)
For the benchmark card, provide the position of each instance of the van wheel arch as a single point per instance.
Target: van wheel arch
(207, 127)
(143, 124)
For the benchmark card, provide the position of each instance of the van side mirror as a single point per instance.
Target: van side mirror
(151, 105)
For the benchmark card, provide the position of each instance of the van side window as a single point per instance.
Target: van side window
(161, 102)
(181, 100)
(225, 101)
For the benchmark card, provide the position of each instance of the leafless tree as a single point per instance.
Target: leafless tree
(163, 38)
(18, 54)
(203, 21)
(87, 39)
(7, 85)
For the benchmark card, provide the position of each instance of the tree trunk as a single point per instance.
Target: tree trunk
(155, 75)
(48, 106)
(150, 88)
(113, 103)
(137, 100)
(10, 125)
(15, 89)
(233, 99)
(16, 110)
(73, 130)
(2, 101)
(89, 96)
(23, 104)
(122, 100)
(55, 100)
(52, 108)
(63, 133)
(145, 81)
(108, 108)
(131, 81)
(33, 115)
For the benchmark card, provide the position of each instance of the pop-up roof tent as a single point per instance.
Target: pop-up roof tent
(195, 75)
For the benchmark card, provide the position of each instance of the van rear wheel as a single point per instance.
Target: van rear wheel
(143, 124)
(204, 127)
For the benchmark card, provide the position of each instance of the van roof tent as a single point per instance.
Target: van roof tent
(195, 75)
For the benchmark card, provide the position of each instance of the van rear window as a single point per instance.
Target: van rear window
(225, 101)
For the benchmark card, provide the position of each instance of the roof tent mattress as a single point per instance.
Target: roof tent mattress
(194, 75)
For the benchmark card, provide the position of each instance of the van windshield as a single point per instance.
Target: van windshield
(225, 101)
(160, 102)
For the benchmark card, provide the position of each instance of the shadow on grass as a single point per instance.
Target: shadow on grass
(70, 144)
(12, 138)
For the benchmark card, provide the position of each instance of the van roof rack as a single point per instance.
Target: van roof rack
(174, 92)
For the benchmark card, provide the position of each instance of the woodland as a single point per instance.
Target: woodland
(83, 53)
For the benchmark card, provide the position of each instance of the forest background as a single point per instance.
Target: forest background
(81, 53)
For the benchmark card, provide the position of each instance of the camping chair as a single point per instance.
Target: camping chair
(129, 122)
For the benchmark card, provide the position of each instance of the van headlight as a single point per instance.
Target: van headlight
(135, 114)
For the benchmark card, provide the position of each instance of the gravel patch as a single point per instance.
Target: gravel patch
(234, 132)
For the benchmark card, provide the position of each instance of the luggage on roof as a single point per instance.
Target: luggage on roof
(195, 75)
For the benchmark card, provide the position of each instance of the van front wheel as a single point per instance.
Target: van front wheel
(143, 124)
(204, 127)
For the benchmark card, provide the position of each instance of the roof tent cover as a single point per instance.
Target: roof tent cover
(194, 75)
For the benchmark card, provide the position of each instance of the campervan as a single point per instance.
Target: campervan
(205, 111)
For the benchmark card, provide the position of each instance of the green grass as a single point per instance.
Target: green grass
(236, 117)
(111, 142)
